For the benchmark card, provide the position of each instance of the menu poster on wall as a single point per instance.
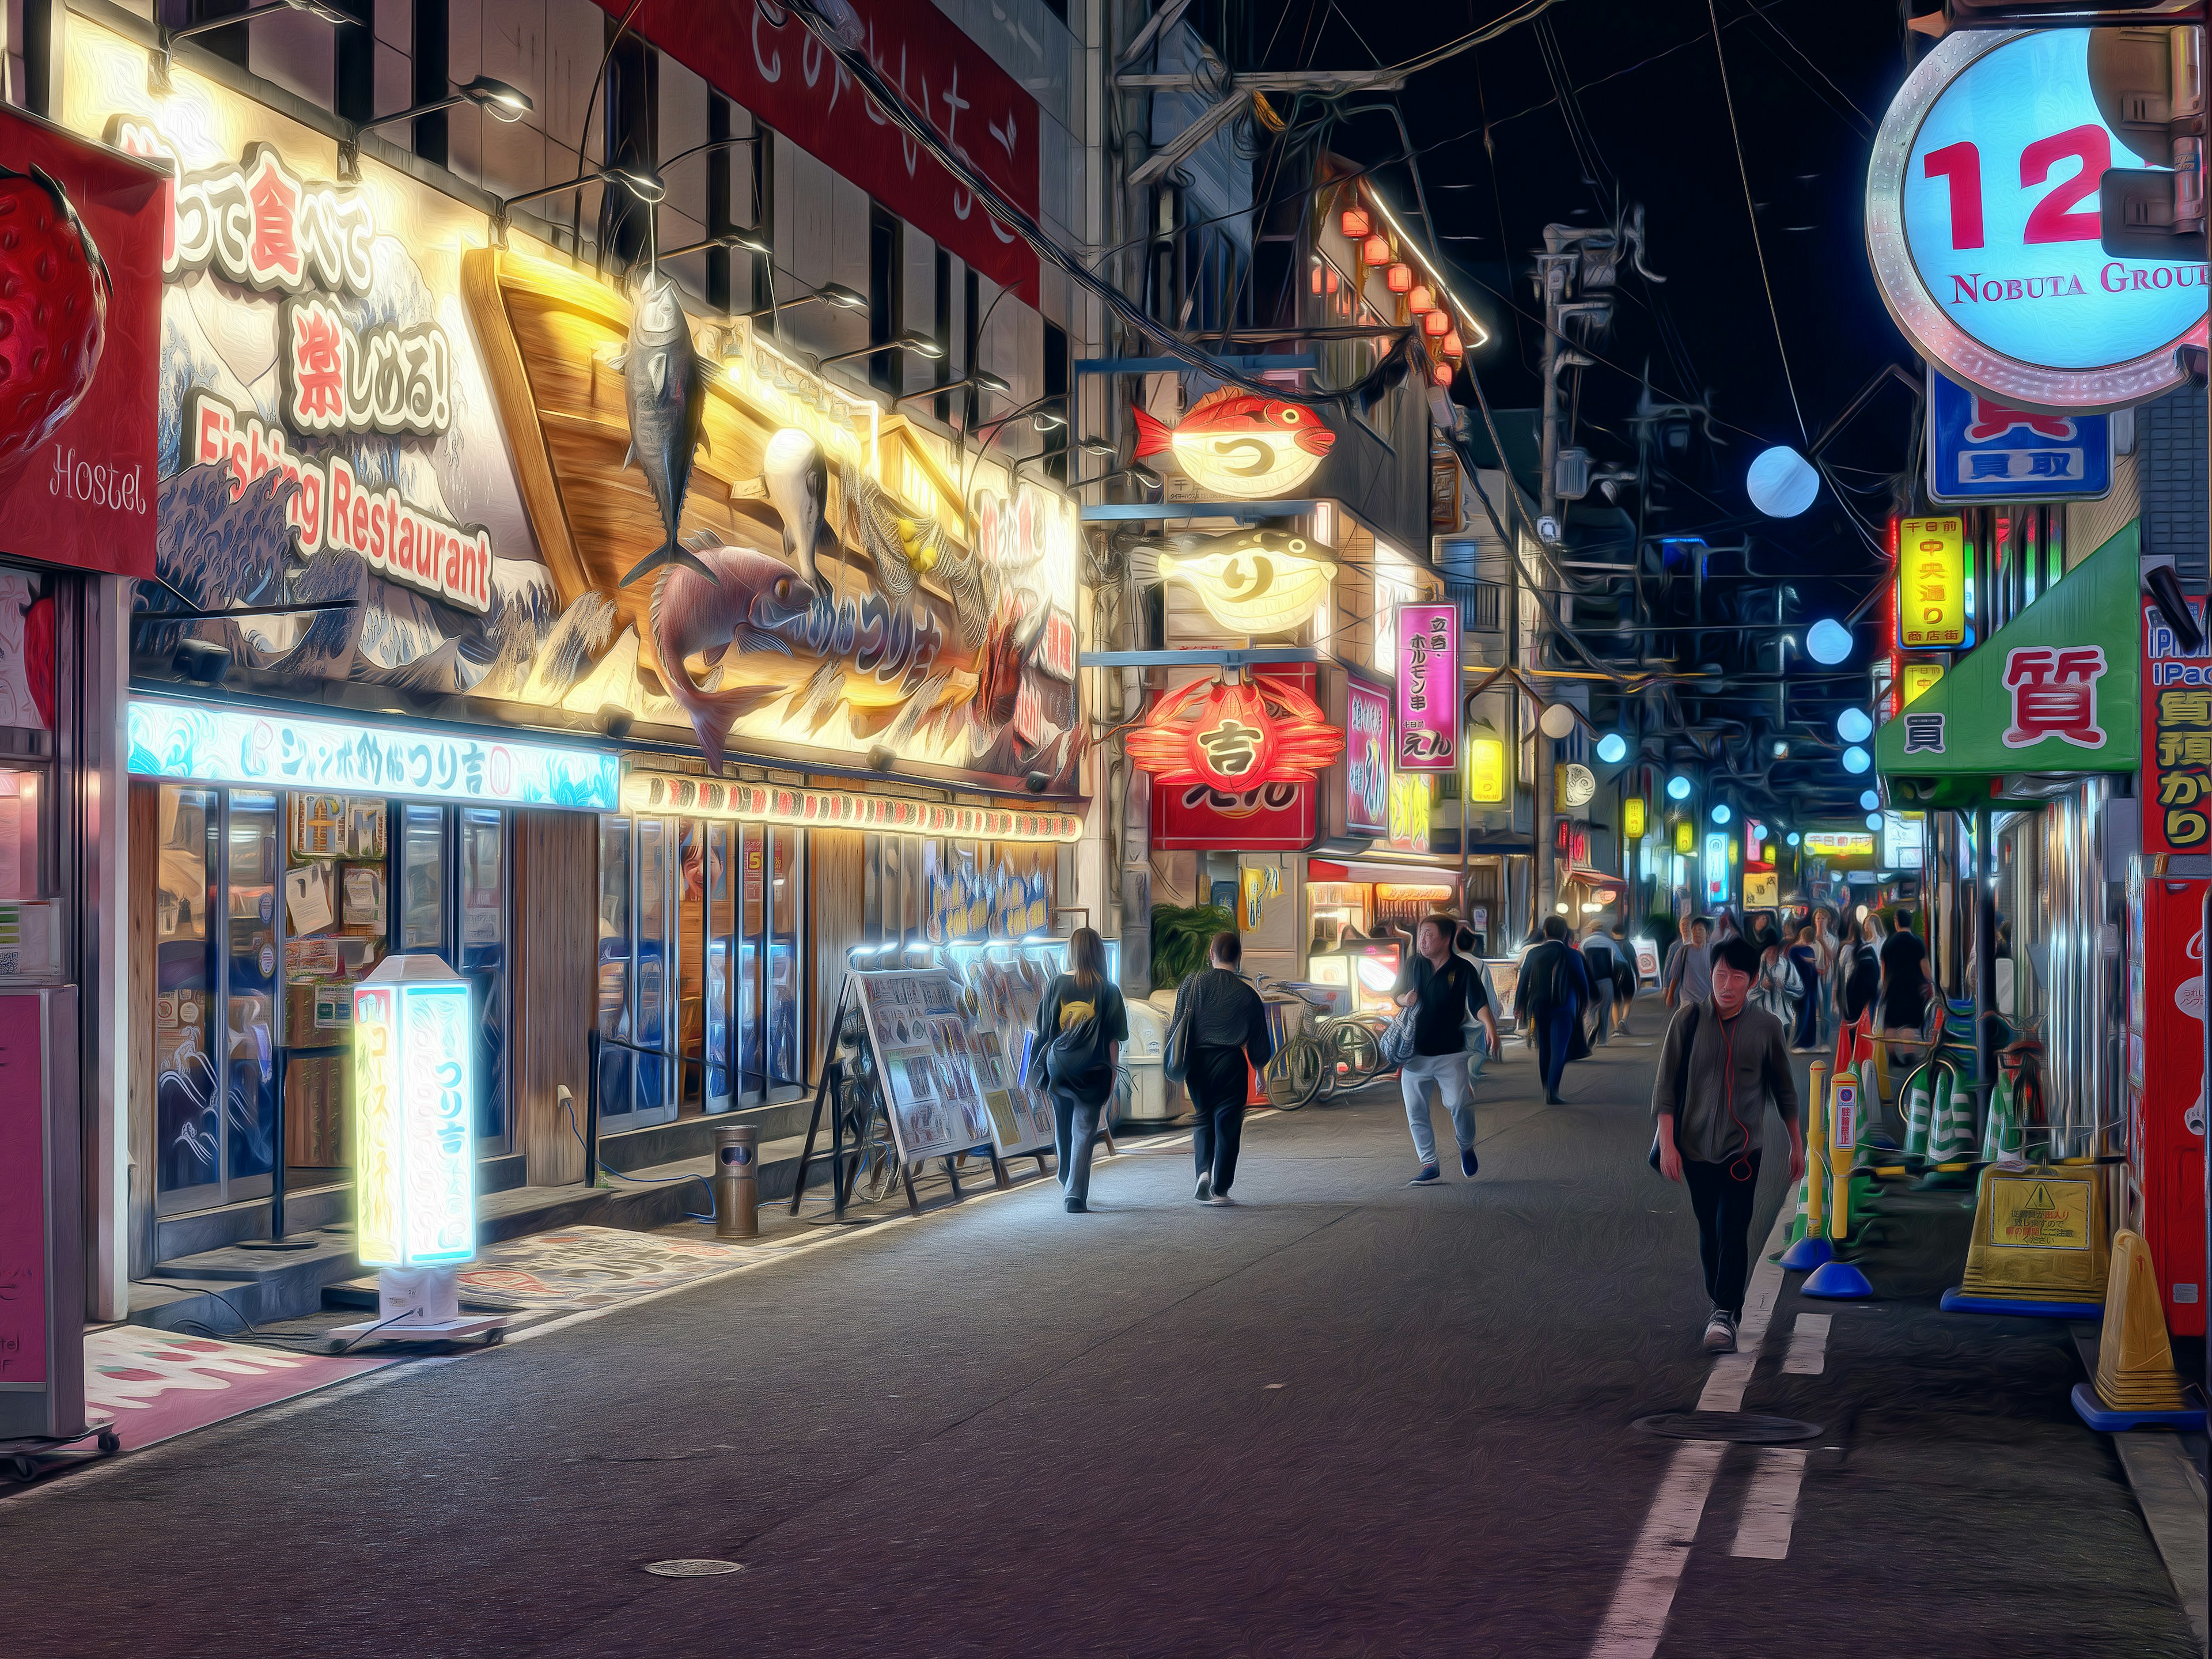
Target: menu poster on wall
(925, 1046)
(1006, 985)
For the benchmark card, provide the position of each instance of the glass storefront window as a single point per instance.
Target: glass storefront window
(784, 1064)
(422, 912)
(250, 1106)
(483, 958)
(721, 923)
(752, 920)
(651, 1022)
(187, 1085)
(614, 965)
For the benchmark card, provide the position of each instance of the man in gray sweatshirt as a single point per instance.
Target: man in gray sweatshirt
(1723, 1062)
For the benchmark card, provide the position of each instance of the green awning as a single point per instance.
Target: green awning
(2054, 693)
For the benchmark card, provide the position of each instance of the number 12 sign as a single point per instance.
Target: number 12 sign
(1982, 227)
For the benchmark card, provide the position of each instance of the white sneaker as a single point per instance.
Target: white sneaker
(1224, 1198)
(1205, 1192)
(1720, 1333)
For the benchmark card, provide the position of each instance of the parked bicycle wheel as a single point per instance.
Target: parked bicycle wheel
(1354, 1054)
(1293, 1077)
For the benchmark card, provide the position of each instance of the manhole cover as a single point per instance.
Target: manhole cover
(1747, 1426)
(692, 1569)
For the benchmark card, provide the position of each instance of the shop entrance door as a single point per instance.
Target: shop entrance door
(453, 905)
(738, 900)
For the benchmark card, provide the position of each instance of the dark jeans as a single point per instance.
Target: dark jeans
(1722, 1195)
(1217, 1082)
(1555, 1034)
(1809, 1014)
(1074, 1133)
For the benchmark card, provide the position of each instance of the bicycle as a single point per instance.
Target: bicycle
(1337, 1052)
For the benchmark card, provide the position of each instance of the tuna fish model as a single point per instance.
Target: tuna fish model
(1240, 445)
(665, 391)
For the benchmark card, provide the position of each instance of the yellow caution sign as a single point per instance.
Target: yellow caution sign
(2039, 1215)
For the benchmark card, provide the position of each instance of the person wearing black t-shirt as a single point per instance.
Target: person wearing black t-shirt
(1904, 979)
(1444, 990)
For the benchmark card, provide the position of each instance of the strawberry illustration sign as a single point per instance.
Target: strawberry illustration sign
(79, 326)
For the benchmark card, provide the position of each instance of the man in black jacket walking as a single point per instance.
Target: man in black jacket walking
(1228, 1028)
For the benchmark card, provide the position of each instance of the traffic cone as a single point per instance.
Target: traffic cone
(2135, 1382)
(1951, 1134)
(1919, 1098)
(2002, 1138)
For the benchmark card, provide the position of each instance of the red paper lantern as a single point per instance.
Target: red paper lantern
(1234, 738)
(1444, 373)
(1400, 279)
(1422, 300)
(1355, 223)
(1317, 279)
(1438, 323)
(1376, 251)
(1453, 345)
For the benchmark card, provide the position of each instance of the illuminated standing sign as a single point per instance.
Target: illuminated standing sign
(413, 1078)
(1717, 869)
(1366, 759)
(261, 749)
(1428, 687)
(1982, 226)
(1234, 738)
(1931, 580)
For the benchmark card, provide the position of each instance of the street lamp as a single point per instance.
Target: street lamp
(166, 39)
(830, 294)
(1721, 813)
(981, 379)
(496, 98)
(1828, 642)
(1853, 725)
(1612, 748)
(1678, 787)
(919, 343)
(642, 183)
(1855, 759)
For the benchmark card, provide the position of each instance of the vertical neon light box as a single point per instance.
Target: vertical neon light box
(414, 1201)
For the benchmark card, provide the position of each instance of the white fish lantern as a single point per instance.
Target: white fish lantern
(1253, 582)
(414, 1086)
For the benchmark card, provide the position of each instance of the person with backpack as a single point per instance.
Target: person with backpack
(1597, 963)
(1444, 991)
(1725, 1061)
(1081, 1026)
(1553, 990)
(1623, 977)
(1689, 976)
(1219, 1027)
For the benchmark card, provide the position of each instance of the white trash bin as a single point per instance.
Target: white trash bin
(1145, 1054)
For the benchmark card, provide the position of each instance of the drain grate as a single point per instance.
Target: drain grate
(692, 1569)
(1747, 1426)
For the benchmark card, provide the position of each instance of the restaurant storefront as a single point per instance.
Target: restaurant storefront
(417, 693)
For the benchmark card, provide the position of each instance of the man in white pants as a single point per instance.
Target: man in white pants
(1443, 990)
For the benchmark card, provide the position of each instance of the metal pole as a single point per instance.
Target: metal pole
(1985, 976)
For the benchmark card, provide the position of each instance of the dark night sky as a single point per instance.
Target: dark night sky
(1646, 117)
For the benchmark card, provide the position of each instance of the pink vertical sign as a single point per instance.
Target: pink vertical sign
(1428, 687)
(22, 1192)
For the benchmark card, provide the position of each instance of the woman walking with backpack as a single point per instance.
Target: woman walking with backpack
(1081, 1026)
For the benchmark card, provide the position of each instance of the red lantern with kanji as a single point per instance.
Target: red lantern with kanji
(1234, 738)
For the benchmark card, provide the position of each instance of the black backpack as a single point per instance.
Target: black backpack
(1076, 1056)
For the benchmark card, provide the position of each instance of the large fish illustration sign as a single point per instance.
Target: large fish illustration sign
(665, 391)
(1239, 446)
(1252, 581)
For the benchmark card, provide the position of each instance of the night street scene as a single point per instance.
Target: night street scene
(1171, 829)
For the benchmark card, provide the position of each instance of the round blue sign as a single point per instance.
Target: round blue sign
(1982, 225)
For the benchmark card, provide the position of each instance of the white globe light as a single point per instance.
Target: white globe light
(1828, 642)
(1856, 760)
(1721, 813)
(1612, 747)
(1873, 820)
(1678, 788)
(1869, 799)
(1558, 720)
(1852, 725)
(1795, 838)
(1782, 482)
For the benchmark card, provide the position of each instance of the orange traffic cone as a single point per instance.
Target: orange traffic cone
(2135, 1385)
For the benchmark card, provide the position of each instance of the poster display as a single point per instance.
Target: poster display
(1005, 985)
(925, 1054)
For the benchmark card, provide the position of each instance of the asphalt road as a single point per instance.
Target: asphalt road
(1345, 1418)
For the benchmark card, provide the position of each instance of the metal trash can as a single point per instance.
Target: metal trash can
(736, 1181)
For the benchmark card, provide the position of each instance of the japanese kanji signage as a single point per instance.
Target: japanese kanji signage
(1931, 583)
(270, 750)
(2053, 693)
(1914, 678)
(1428, 687)
(1366, 759)
(1234, 738)
(2176, 738)
(1981, 450)
(1280, 815)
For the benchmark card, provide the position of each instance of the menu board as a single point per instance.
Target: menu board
(926, 1056)
(1007, 983)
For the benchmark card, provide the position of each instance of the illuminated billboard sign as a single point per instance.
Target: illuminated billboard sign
(414, 1081)
(1428, 687)
(1839, 844)
(1982, 227)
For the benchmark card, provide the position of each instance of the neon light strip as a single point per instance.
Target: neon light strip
(679, 795)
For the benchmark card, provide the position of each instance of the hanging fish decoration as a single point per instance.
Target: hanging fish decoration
(1252, 582)
(665, 393)
(1235, 444)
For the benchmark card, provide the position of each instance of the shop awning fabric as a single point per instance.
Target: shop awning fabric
(2054, 693)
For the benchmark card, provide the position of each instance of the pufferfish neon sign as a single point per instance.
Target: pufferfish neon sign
(1252, 581)
(1234, 738)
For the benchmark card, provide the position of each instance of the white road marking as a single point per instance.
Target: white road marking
(1770, 1507)
(1808, 1345)
(1638, 1615)
(1645, 1594)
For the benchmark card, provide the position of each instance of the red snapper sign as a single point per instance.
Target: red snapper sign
(78, 454)
(758, 54)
